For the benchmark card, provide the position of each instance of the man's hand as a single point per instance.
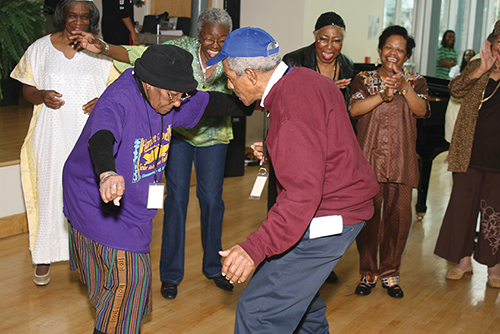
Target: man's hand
(135, 38)
(237, 264)
(258, 151)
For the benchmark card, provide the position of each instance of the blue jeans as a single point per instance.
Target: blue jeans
(209, 166)
(283, 297)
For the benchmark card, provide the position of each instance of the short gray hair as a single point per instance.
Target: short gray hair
(259, 64)
(214, 16)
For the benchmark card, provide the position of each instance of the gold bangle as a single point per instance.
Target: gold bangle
(384, 96)
(403, 92)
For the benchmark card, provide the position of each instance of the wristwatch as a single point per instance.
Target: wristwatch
(106, 47)
(403, 92)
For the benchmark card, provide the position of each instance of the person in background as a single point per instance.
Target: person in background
(331, 185)
(118, 22)
(387, 103)
(474, 159)
(323, 56)
(454, 104)
(457, 69)
(112, 180)
(205, 145)
(63, 82)
(447, 55)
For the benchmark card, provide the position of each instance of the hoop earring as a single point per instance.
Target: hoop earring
(377, 63)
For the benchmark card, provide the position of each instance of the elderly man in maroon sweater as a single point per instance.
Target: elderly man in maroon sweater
(325, 192)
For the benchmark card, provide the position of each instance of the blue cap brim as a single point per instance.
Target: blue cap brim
(218, 58)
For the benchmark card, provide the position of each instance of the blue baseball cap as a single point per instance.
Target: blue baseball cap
(246, 43)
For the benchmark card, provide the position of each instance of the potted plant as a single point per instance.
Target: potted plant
(21, 23)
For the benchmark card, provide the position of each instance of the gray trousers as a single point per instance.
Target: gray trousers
(282, 296)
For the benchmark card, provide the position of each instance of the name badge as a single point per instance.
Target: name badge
(325, 226)
(155, 195)
(259, 184)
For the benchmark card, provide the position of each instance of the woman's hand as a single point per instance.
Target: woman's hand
(52, 99)
(89, 106)
(88, 41)
(343, 83)
(111, 188)
(487, 61)
(396, 82)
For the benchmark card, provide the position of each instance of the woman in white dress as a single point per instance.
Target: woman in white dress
(63, 82)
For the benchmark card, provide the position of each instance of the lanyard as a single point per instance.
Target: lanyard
(159, 145)
(264, 136)
(143, 93)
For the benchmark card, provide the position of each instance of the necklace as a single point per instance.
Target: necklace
(200, 64)
(489, 97)
(334, 68)
(483, 99)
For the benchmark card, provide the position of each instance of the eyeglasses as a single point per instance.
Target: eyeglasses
(210, 41)
(324, 41)
(182, 98)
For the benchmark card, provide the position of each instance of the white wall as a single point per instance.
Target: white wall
(11, 196)
(283, 19)
(291, 22)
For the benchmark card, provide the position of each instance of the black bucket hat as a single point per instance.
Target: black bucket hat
(167, 67)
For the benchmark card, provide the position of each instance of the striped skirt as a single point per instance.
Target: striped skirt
(118, 283)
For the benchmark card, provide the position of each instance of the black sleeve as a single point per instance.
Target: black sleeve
(220, 104)
(101, 149)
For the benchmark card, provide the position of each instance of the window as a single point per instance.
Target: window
(399, 12)
(491, 14)
(455, 15)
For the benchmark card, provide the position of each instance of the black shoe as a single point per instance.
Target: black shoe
(168, 290)
(223, 283)
(394, 291)
(364, 289)
(332, 278)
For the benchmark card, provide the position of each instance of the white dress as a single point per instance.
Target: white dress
(51, 136)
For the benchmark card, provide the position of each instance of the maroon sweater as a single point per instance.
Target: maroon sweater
(319, 166)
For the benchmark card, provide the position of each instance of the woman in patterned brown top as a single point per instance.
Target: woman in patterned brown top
(387, 102)
(474, 159)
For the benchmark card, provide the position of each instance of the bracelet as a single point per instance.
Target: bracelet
(105, 177)
(403, 92)
(384, 96)
(106, 47)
